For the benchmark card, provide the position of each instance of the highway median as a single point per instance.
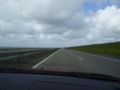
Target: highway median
(26, 61)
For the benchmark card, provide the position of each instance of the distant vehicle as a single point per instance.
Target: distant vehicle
(40, 79)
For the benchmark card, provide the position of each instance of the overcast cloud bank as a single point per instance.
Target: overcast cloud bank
(56, 23)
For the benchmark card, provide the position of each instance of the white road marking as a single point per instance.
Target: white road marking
(46, 59)
(80, 58)
(76, 55)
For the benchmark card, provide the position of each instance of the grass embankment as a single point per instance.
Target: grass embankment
(26, 61)
(111, 49)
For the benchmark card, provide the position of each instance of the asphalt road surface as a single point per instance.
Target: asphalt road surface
(71, 60)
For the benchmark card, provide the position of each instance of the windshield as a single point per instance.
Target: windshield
(61, 35)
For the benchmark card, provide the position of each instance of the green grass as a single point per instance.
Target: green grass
(26, 61)
(111, 49)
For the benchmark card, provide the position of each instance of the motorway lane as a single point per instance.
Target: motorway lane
(70, 60)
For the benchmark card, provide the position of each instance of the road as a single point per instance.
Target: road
(71, 60)
(19, 53)
(18, 56)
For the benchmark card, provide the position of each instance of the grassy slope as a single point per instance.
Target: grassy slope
(111, 49)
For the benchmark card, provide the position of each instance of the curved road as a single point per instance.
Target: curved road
(71, 60)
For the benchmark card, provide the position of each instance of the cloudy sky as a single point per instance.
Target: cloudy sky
(58, 23)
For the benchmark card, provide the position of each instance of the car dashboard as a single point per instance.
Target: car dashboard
(19, 81)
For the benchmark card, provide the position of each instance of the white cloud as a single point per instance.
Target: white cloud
(105, 25)
(56, 23)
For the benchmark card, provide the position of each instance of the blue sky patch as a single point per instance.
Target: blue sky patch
(94, 6)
